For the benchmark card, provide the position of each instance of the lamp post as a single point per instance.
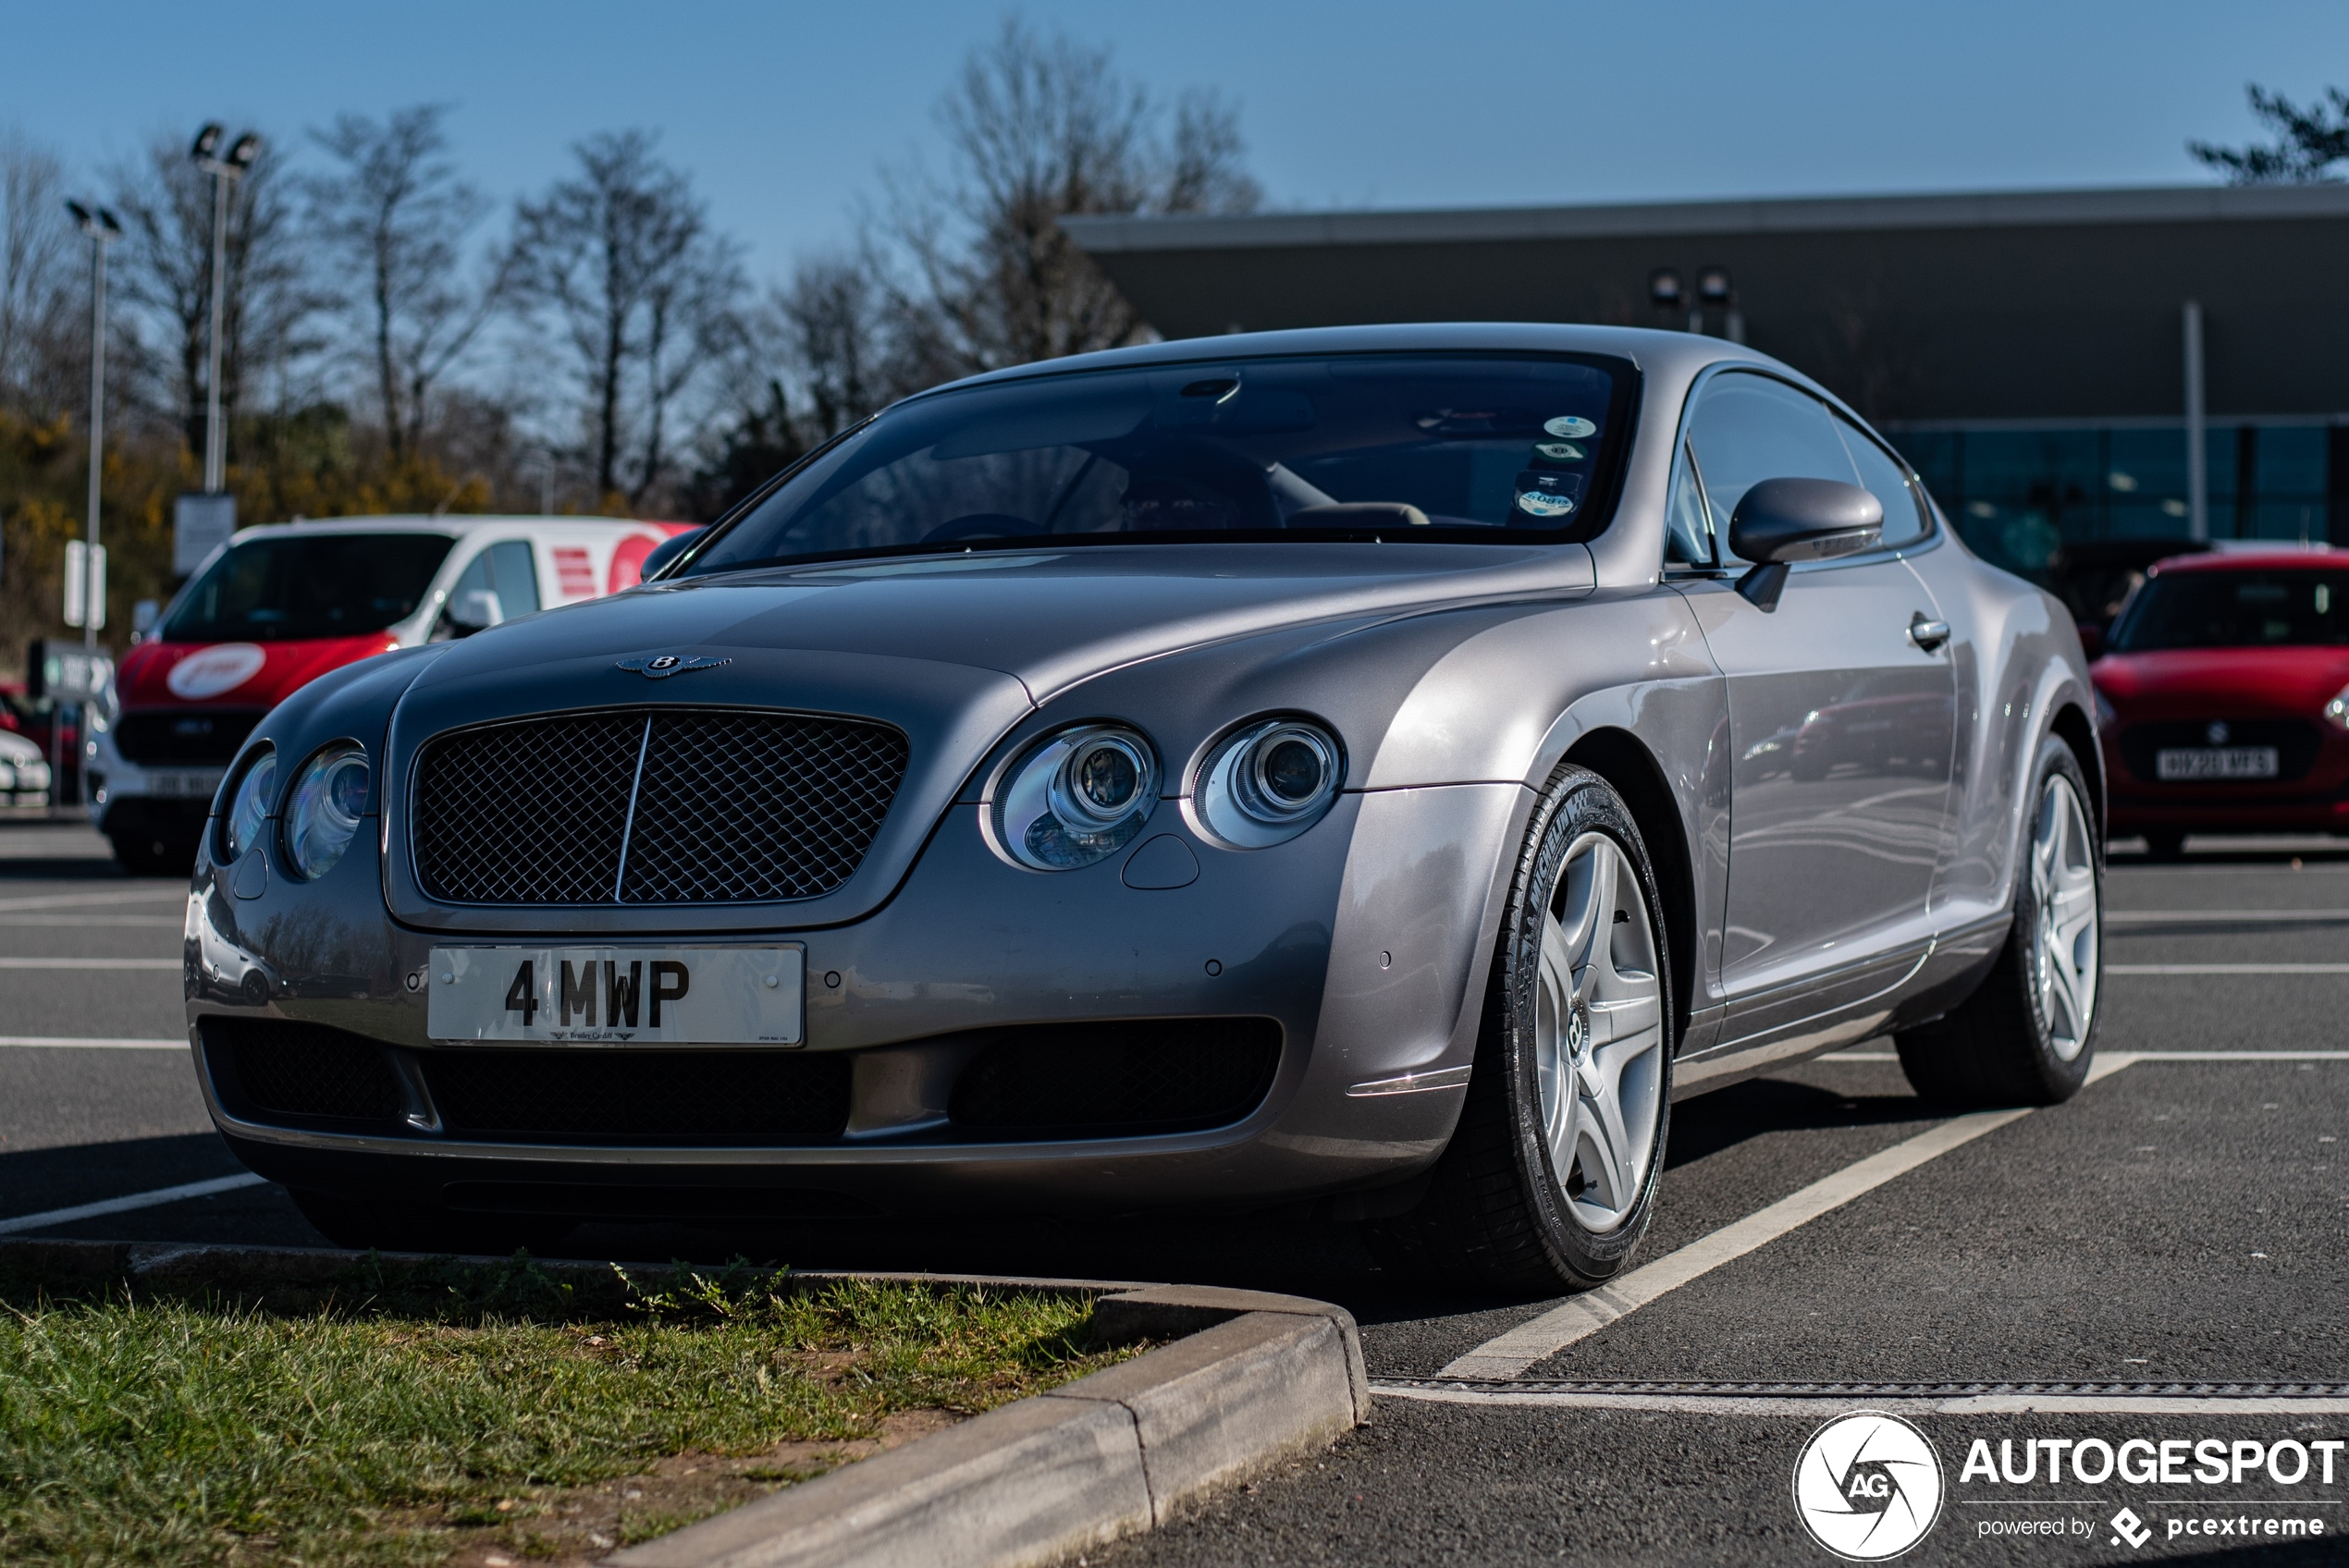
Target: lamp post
(1714, 289)
(223, 168)
(103, 230)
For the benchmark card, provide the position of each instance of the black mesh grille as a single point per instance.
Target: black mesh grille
(732, 807)
(306, 1070)
(199, 735)
(616, 1095)
(1161, 1075)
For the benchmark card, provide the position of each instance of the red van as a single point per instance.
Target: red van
(280, 605)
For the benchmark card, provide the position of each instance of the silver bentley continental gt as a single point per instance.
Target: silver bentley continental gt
(1371, 773)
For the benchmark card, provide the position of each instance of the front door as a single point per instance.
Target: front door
(1841, 727)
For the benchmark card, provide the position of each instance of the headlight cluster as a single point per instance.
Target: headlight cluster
(322, 814)
(1078, 797)
(1268, 782)
(1082, 795)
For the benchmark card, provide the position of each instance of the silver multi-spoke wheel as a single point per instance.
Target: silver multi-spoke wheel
(2063, 888)
(1599, 1034)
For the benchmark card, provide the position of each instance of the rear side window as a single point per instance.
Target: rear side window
(2237, 610)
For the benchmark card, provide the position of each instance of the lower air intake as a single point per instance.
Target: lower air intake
(669, 1097)
(1161, 1075)
(305, 1071)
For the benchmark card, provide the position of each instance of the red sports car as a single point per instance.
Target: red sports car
(2223, 696)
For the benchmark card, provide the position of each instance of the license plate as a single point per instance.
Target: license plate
(185, 783)
(2215, 762)
(619, 996)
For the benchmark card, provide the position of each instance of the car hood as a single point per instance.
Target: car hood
(954, 651)
(2296, 681)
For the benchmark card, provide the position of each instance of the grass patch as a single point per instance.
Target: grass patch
(475, 1412)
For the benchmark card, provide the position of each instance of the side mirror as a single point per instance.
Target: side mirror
(476, 610)
(1782, 520)
(144, 616)
(666, 551)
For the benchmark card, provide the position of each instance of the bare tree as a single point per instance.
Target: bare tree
(38, 360)
(2308, 142)
(395, 217)
(642, 291)
(1039, 126)
(165, 202)
(834, 325)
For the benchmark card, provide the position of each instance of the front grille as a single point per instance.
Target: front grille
(1154, 1076)
(207, 735)
(672, 1096)
(2297, 745)
(302, 1070)
(668, 806)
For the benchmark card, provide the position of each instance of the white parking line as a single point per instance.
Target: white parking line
(2227, 968)
(90, 1043)
(1509, 1354)
(123, 1204)
(1814, 1407)
(2124, 1058)
(2190, 917)
(172, 963)
(83, 901)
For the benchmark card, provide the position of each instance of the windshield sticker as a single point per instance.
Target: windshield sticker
(1570, 425)
(1536, 504)
(1559, 452)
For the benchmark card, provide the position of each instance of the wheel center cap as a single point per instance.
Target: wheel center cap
(1578, 1031)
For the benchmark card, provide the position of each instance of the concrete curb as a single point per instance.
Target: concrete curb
(1258, 1378)
(1251, 1379)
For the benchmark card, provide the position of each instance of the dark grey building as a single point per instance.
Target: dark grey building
(2033, 352)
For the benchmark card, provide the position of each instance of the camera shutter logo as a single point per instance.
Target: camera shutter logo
(1867, 1486)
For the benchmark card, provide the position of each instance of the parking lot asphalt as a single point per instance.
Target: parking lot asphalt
(2179, 1223)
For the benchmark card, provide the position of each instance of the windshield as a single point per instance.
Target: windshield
(1400, 446)
(2237, 610)
(327, 585)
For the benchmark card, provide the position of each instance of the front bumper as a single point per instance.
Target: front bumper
(1360, 938)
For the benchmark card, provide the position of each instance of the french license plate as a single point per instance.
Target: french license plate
(619, 996)
(2182, 763)
(184, 783)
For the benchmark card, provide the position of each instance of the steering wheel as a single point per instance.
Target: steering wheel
(982, 525)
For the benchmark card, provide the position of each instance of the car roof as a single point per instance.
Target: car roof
(2247, 554)
(416, 522)
(1647, 347)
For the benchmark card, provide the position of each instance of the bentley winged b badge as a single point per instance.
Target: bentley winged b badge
(661, 666)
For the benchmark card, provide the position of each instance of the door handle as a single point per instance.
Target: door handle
(1927, 634)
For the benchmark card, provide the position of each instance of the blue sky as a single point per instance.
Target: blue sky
(783, 112)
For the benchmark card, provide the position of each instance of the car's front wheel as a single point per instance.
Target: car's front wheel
(1550, 1176)
(2028, 1033)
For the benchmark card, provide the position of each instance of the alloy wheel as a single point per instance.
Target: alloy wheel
(2064, 943)
(1599, 1034)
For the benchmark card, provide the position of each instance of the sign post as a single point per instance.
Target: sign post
(200, 521)
(66, 672)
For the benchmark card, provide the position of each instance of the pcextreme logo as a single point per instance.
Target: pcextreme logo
(1867, 1486)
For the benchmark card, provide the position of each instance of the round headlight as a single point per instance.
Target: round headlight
(322, 814)
(1078, 797)
(1268, 782)
(249, 805)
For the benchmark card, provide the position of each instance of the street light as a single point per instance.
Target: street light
(1714, 289)
(239, 158)
(103, 230)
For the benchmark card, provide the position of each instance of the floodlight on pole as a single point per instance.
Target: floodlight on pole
(103, 230)
(241, 155)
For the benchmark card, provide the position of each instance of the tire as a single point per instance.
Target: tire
(2028, 1033)
(148, 854)
(1499, 1210)
(396, 1227)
